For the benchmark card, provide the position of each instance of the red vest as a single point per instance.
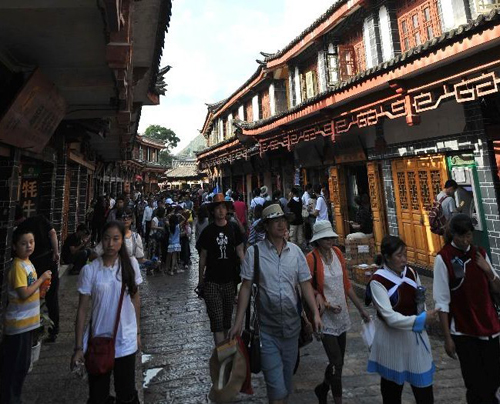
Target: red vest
(405, 303)
(471, 306)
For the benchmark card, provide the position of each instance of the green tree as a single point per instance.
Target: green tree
(166, 136)
(162, 134)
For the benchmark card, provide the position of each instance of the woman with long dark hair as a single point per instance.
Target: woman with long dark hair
(100, 282)
(401, 351)
(463, 282)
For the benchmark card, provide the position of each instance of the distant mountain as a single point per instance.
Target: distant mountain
(196, 145)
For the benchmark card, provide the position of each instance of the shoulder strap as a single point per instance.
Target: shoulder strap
(118, 313)
(442, 199)
(256, 268)
(315, 279)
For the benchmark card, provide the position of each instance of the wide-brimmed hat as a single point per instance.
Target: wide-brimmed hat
(273, 211)
(228, 370)
(220, 198)
(263, 191)
(322, 229)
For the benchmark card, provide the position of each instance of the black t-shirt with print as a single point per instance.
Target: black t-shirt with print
(220, 244)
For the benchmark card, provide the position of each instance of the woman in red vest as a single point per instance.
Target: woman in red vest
(401, 351)
(331, 289)
(463, 278)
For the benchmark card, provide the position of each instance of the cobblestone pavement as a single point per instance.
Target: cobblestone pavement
(177, 344)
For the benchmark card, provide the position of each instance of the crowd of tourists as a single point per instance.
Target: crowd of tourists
(279, 253)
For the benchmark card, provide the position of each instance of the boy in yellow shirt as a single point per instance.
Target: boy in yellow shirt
(22, 316)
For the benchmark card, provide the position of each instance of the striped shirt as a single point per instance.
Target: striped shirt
(22, 315)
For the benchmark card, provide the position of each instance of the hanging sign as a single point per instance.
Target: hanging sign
(34, 115)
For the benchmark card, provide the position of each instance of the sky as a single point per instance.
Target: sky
(212, 46)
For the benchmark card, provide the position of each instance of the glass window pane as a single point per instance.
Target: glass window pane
(404, 26)
(417, 38)
(430, 34)
(407, 44)
(427, 14)
(415, 20)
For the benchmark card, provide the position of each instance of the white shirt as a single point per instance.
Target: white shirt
(305, 198)
(133, 243)
(104, 285)
(148, 214)
(322, 208)
(449, 206)
(111, 203)
(258, 200)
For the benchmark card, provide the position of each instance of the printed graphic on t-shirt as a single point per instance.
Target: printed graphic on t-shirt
(222, 243)
(31, 279)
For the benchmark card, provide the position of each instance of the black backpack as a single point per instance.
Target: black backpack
(437, 219)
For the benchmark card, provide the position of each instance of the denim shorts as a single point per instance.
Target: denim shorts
(278, 357)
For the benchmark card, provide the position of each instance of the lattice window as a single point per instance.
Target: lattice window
(402, 190)
(424, 190)
(359, 51)
(418, 24)
(347, 61)
(412, 183)
(373, 190)
(436, 182)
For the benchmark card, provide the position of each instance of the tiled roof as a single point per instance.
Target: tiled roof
(216, 146)
(320, 20)
(145, 140)
(163, 24)
(480, 23)
(184, 171)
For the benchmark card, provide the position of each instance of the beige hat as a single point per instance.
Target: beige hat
(273, 211)
(322, 229)
(263, 191)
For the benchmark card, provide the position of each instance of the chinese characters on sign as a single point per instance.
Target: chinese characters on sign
(30, 190)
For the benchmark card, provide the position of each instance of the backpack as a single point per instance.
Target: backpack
(437, 219)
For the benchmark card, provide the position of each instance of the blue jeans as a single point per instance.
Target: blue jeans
(278, 357)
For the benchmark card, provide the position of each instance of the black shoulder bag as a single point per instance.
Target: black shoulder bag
(251, 334)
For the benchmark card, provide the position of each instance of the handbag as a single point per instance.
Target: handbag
(251, 334)
(100, 355)
(306, 331)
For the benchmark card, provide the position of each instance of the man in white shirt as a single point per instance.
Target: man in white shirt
(146, 220)
(447, 196)
(307, 195)
(321, 209)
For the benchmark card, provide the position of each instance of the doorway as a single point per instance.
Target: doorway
(417, 182)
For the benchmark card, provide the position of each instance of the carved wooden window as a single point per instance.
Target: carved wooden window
(402, 190)
(308, 84)
(436, 182)
(412, 183)
(425, 191)
(359, 51)
(347, 61)
(419, 23)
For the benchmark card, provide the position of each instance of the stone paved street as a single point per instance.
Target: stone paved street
(177, 344)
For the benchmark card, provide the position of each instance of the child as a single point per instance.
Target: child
(174, 244)
(22, 316)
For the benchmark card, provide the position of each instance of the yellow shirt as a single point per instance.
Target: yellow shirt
(22, 315)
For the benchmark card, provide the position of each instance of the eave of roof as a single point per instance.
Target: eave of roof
(163, 25)
(456, 35)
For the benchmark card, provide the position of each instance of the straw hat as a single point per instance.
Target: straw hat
(263, 191)
(228, 370)
(273, 211)
(322, 229)
(220, 198)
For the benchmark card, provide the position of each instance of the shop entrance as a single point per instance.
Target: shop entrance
(417, 181)
(356, 181)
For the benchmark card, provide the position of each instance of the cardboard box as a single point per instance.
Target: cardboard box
(360, 251)
(363, 273)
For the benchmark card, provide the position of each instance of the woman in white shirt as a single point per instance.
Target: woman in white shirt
(331, 289)
(100, 282)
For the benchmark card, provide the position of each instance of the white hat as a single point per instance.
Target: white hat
(263, 191)
(322, 229)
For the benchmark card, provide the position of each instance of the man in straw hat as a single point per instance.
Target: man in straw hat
(221, 250)
(282, 267)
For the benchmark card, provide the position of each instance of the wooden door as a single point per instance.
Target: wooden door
(417, 181)
(339, 200)
(377, 201)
